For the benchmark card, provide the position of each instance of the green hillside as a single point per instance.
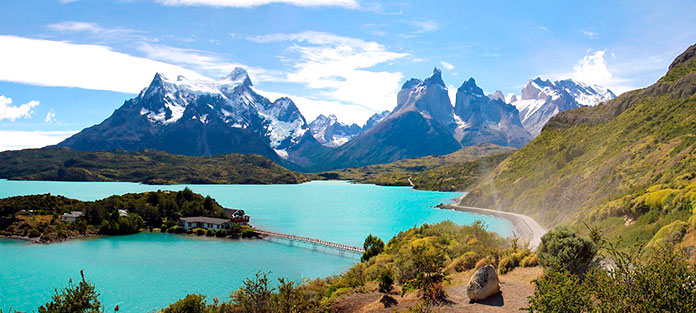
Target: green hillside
(592, 163)
(451, 172)
(147, 166)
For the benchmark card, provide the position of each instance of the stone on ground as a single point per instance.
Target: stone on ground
(483, 284)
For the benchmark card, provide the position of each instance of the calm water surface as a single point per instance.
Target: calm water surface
(146, 271)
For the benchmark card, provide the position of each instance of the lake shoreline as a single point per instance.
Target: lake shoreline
(525, 226)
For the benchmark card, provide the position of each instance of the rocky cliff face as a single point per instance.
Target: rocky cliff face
(201, 117)
(332, 133)
(483, 119)
(542, 99)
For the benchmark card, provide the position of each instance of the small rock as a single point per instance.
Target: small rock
(483, 284)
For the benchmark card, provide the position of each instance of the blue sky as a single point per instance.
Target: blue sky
(66, 65)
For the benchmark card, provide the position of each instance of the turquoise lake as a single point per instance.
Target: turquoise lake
(144, 272)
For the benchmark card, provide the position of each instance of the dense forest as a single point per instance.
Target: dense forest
(38, 216)
(147, 166)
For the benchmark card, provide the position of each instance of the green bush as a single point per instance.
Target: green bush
(192, 303)
(507, 264)
(530, 261)
(562, 248)
(199, 231)
(179, 230)
(210, 233)
(189, 231)
(163, 228)
(464, 262)
(660, 282)
(172, 229)
(221, 233)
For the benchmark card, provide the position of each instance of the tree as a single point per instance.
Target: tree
(386, 281)
(80, 298)
(562, 249)
(255, 296)
(373, 246)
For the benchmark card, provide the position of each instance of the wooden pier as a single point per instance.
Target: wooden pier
(313, 241)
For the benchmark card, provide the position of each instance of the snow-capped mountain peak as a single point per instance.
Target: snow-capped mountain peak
(227, 107)
(332, 133)
(541, 99)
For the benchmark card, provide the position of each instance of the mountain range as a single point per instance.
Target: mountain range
(203, 117)
(206, 117)
(613, 162)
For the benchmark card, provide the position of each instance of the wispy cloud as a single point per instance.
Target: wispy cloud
(350, 4)
(590, 34)
(338, 68)
(424, 26)
(16, 140)
(208, 63)
(12, 113)
(446, 65)
(58, 63)
(96, 31)
(420, 27)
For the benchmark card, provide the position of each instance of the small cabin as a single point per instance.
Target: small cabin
(238, 217)
(71, 217)
(204, 222)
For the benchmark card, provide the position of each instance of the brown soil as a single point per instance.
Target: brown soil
(515, 288)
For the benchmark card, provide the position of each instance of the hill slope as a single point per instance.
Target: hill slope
(588, 156)
(148, 166)
(451, 172)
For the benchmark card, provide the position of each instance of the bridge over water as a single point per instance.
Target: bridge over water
(314, 241)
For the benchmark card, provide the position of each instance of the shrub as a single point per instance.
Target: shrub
(210, 233)
(163, 228)
(221, 233)
(529, 261)
(179, 230)
(172, 229)
(189, 231)
(386, 281)
(562, 248)
(34, 233)
(248, 232)
(199, 231)
(559, 291)
(192, 303)
(464, 262)
(507, 264)
(489, 260)
(82, 297)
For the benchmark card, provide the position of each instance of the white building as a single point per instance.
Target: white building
(204, 222)
(71, 217)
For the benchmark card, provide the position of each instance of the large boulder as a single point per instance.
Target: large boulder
(483, 284)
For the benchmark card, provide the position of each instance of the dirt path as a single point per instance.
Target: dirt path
(525, 226)
(515, 287)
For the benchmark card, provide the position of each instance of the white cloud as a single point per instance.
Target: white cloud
(50, 117)
(10, 112)
(446, 65)
(351, 4)
(58, 63)
(593, 69)
(590, 34)
(336, 68)
(16, 140)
